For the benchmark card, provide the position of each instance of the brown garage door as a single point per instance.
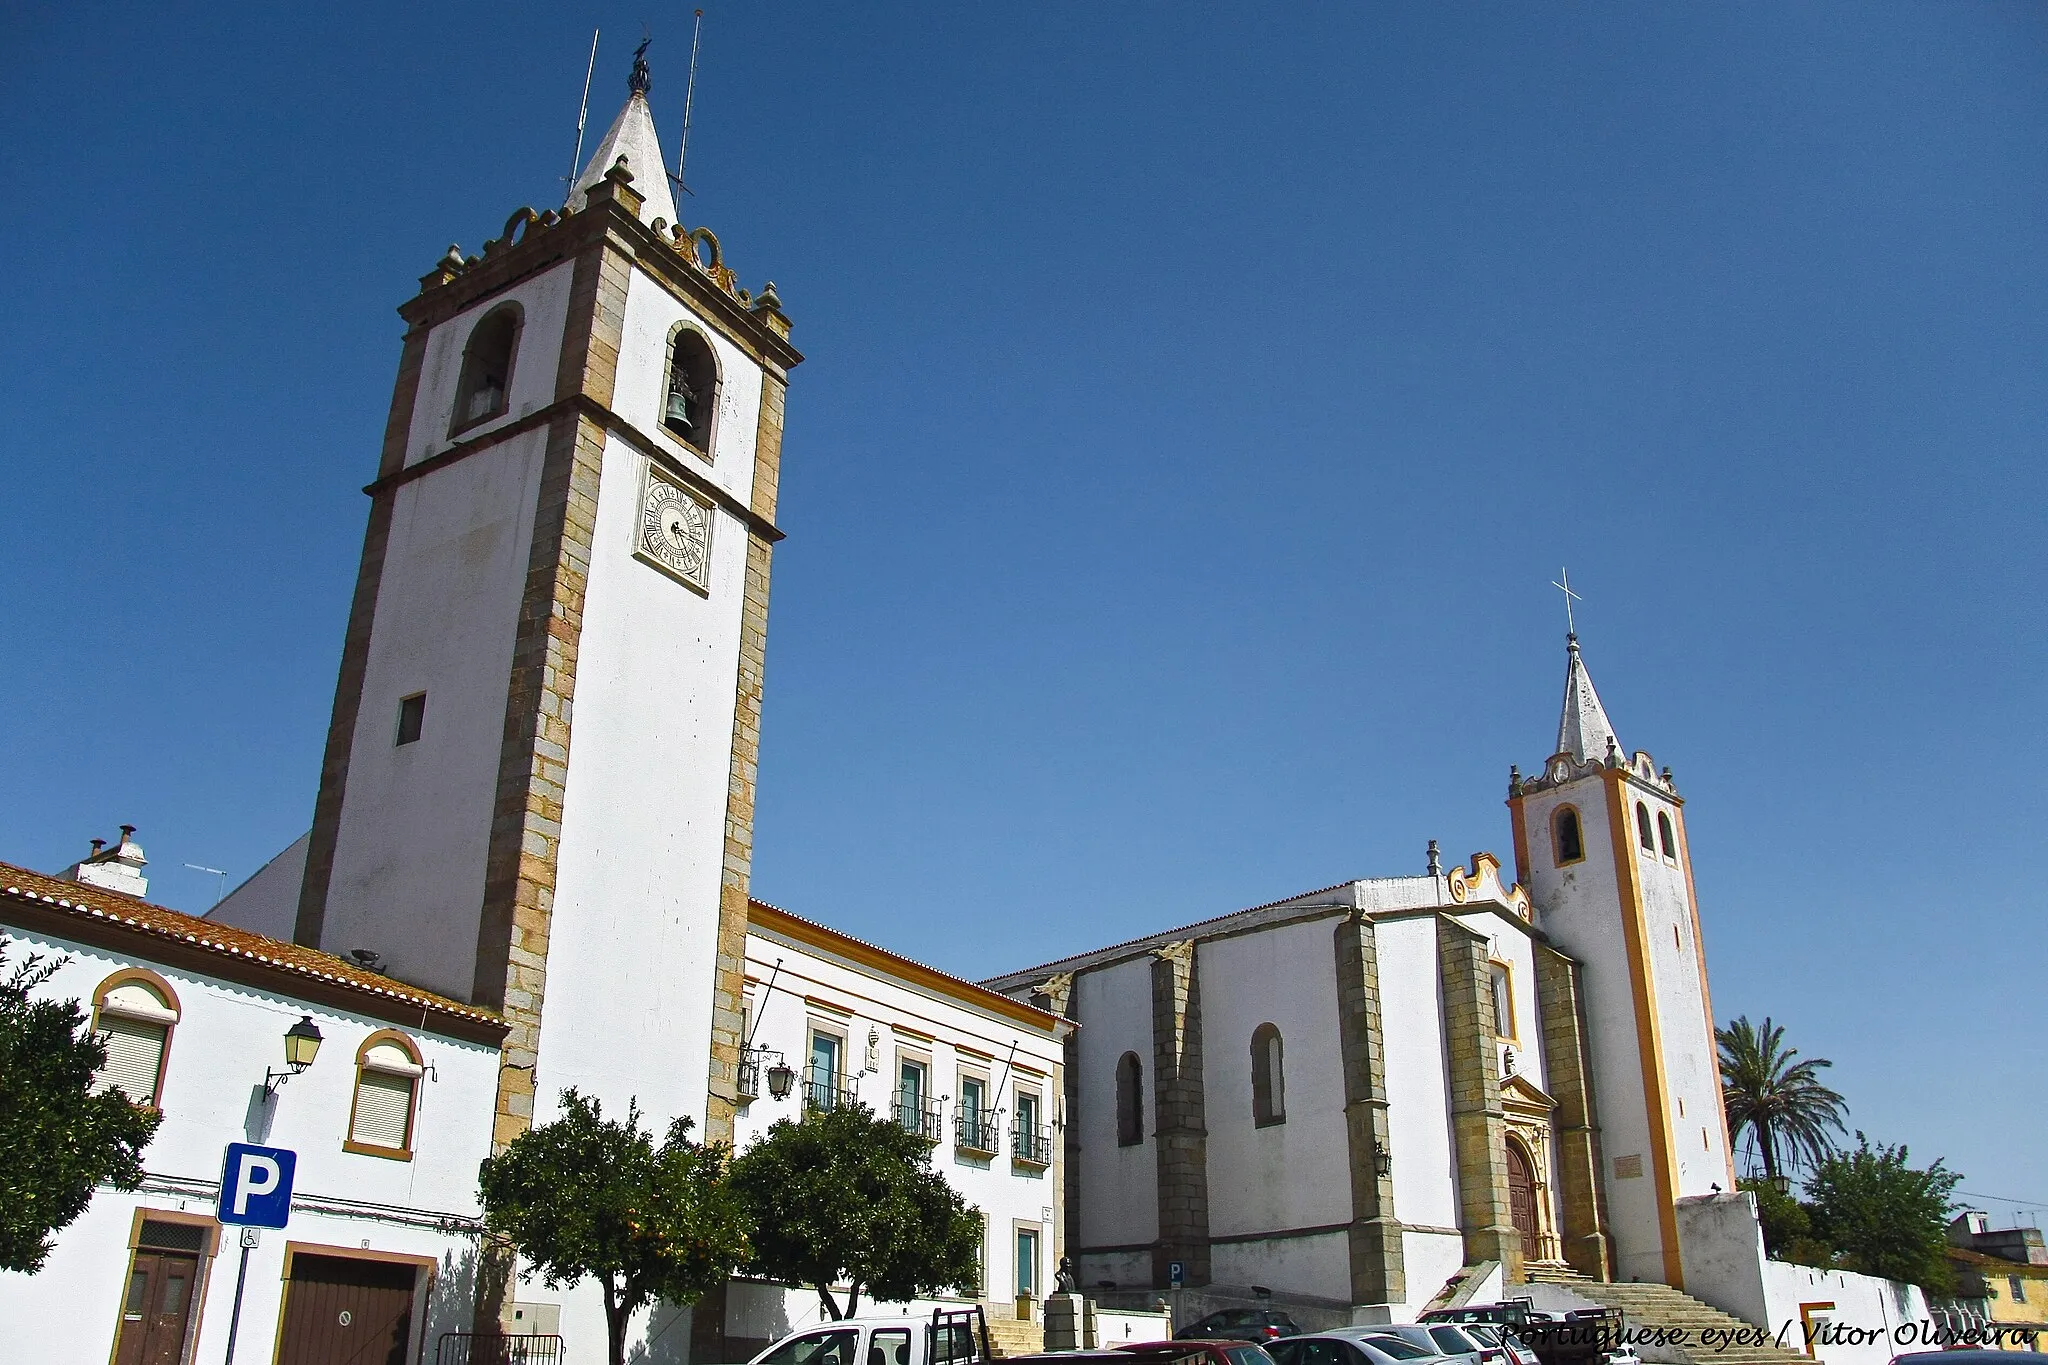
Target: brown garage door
(339, 1310)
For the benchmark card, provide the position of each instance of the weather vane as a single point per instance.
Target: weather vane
(1565, 587)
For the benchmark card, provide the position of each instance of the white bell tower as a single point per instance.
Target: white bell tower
(1600, 842)
(537, 792)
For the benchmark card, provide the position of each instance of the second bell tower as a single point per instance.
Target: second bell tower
(537, 792)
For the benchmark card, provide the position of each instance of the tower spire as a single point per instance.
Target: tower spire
(1583, 730)
(632, 136)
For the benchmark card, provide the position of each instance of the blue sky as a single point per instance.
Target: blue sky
(1200, 401)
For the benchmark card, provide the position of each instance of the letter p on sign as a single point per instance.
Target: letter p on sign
(256, 1185)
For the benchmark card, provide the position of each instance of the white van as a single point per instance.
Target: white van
(947, 1337)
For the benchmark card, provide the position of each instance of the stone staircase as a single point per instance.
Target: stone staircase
(1652, 1306)
(1554, 1272)
(1008, 1337)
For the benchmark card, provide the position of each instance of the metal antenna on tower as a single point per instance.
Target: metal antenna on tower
(689, 102)
(582, 116)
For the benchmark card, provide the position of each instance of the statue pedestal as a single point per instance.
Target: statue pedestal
(1069, 1323)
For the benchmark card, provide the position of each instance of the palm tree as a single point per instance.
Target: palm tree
(1779, 1098)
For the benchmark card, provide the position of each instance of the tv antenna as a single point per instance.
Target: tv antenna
(582, 116)
(214, 871)
(689, 102)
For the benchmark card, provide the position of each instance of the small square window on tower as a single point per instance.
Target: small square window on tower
(412, 717)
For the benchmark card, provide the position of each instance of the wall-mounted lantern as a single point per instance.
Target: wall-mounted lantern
(781, 1078)
(301, 1046)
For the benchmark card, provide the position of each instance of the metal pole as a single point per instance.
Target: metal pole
(583, 114)
(689, 103)
(235, 1318)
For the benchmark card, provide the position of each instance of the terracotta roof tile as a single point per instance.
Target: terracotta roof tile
(100, 907)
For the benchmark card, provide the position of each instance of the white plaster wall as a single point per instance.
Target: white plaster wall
(1580, 908)
(409, 855)
(227, 1036)
(268, 902)
(1294, 1174)
(1430, 1259)
(1119, 1185)
(1882, 1318)
(1418, 1087)
(1319, 1265)
(853, 1001)
(544, 301)
(1691, 1063)
(639, 391)
(1509, 941)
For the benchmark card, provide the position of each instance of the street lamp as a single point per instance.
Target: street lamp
(780, 1079)
(301, 1046)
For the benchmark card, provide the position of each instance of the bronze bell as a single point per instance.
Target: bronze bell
(679, 408)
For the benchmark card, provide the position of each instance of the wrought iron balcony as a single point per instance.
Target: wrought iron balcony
(1031, 1142)
(750, 1073)
(979, 1130)
(826, 1089)
(919, 1114)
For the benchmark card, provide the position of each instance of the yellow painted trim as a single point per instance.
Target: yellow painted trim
(1524, 874)
(1806, 1312)
(902, 968)
(830, 1007)
(1699, 947)
(1649, 1037)
(1508, 1034)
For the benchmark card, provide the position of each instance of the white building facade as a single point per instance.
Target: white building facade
(388, 1123)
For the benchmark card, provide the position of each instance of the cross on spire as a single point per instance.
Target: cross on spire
(1565, 587)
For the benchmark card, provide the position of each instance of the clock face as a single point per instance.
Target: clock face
(675, 530)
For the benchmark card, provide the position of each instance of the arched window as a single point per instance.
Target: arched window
(1643, 834)
(1502, 980)
(1664, 837)
(1269, 1077)
(134, 1012)
(690, 398)
(1130, 1100)
(1571, 843)
(388, 1075)
(486, 368)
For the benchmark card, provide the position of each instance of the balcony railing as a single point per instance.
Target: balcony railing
(750, 1073)
(492, 1348)
(1031, 1142)
(918, 1114)
(979, 1130)
(826, 1089)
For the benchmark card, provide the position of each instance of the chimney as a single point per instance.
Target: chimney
(113, 869)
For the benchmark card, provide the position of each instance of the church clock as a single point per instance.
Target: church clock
(675, 530)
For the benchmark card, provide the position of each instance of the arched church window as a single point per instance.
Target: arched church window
(1130, 1100)
(1571, 842)
(1643, 835)
(481, 392)
(1269, 1077)
(1669, 844)
(690, 398)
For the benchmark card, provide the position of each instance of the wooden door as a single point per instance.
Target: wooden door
(1522, 1197)
(157, 1309)
(339, 1310)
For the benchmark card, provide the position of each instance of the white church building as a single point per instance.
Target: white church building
(535, 817)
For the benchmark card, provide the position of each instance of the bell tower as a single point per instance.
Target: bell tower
(537, 791)
(1600, 841)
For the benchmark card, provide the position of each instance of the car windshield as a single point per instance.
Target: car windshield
(1452, 1340)
(1398, 1348)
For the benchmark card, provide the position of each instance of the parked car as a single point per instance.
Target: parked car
(956, 1337)
(1502, 1336)
(1241, 1324)
(1445, 1339)
(1214, 1351)
(1349, 1346)
(1153, 1353)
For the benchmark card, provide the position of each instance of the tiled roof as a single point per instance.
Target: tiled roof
(92, 907)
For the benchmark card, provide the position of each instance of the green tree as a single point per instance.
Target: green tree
(62, 1139)
(1883, 1216)
(591, 1197)
(1787, 1226)
(1776, 1097)
(843, 1197)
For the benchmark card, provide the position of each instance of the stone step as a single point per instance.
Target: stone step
(1651, 1306)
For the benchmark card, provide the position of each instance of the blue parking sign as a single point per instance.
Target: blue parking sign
(256, 1185)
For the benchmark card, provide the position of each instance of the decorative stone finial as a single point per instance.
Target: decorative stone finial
(1514, 779)
(1436, 861)
(621, 172)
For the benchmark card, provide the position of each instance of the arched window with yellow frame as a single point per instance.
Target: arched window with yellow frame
(135, 1012)
(386, 1105)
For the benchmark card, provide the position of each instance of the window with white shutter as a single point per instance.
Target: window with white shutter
(386, 1079)
(133, 1017)
(135, 1057)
